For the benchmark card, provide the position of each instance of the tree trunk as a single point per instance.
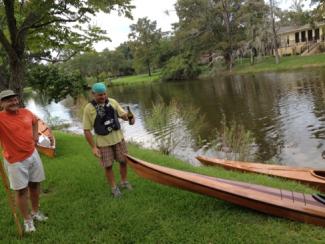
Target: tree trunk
(4, 81)
(227, 19)
(274, 34)
(229, 59)
(231, 64)
(17, 76)
(148, 67)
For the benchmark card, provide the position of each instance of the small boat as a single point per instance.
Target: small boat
(287, 204)
(315, 178)
(46, 142)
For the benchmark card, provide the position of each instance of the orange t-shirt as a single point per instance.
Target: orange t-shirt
(16, 134)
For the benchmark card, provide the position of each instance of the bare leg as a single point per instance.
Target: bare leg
(123, 172)
(34, 193)
(22, 202)
(110, 176)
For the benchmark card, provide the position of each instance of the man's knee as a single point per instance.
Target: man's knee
(122, 163)
(33, 185)
(22, 192)
(109, 168)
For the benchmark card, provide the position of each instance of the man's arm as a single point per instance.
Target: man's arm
(123, 114)
(87, 124)
(35, 131)
(90, 140)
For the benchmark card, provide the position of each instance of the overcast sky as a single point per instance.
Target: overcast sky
(118, 27)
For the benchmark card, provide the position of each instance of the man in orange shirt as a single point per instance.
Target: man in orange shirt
(18, 137)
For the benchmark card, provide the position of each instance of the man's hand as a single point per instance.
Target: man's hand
(132, 121)
(96, 152)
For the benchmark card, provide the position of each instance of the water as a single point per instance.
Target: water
(285, 112)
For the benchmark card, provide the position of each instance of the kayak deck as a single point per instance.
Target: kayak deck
(315, 178)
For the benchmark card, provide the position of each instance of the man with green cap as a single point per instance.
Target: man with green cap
(102, 114)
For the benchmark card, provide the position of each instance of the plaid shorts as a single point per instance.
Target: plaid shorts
(115, 152)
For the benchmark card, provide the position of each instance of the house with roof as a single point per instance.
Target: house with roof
(304, 40)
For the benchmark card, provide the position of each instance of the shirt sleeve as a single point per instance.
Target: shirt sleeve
(86, 120)
(32, 116)
(118, 108)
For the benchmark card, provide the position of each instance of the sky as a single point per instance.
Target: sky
(118, 29)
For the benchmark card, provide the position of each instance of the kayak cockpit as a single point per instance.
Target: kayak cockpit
(319, 174)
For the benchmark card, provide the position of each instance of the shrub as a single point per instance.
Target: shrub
(180, 68)
(172, 125)
(235, 142)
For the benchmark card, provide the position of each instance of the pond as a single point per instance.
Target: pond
(285, 112)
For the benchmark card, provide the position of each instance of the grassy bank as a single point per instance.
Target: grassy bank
(81, 210)
(136, 79)
(286, 63)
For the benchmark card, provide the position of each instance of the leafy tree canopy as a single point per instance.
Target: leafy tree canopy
(54, 83)
(50, 30)
(145, 39)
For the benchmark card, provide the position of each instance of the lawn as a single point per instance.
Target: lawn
(136, 79)
(286, 63)
(81, 210)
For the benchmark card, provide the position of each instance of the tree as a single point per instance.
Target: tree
(55, 84)
(4, 76)
(199, 27)
(180, 67)
(120, 61)
(144, 42)
(319, 11)
(165, 51)
(254, 16)
(210, 25)
(296, 16)
(274, 32)
(50, 30)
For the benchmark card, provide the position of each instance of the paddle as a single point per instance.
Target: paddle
(10, 199)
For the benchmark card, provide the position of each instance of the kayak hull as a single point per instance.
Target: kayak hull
(282, 203)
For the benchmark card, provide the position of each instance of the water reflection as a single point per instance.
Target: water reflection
(284, 111)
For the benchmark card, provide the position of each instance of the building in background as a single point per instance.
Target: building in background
(303, 40)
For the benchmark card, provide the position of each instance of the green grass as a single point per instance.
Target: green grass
(286, 63)
(136, 79)
(81, 210)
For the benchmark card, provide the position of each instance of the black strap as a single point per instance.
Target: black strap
(319, 197)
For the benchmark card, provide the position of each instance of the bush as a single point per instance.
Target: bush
(172, 124)
(235, 142)
(55, 84)
(180, 68)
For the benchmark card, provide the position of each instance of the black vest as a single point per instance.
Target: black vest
(106, 118)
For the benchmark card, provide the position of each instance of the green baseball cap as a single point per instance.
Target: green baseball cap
(7, 93)
(98, 87)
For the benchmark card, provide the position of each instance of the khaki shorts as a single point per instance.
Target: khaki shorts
(28, 170)
(115, 152)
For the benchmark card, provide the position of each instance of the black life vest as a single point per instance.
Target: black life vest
(106, 118)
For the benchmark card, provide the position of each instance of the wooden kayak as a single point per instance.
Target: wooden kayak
(315, 178)
(287, 204)
(46, 143)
